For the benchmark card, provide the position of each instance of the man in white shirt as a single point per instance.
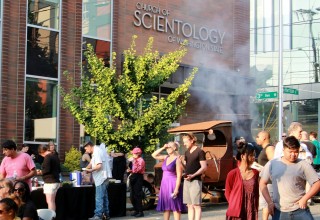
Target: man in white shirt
(295, 129)
(99, 167)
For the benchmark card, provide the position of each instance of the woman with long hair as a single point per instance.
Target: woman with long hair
(242, 186)
(27, 210)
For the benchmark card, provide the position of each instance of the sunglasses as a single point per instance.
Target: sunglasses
(19, 190)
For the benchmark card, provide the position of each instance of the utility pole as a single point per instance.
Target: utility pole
(314, 49)
(310, 14)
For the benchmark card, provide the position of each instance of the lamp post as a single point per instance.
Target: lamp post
(280, 73)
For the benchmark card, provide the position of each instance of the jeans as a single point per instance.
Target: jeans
(298, 214)
(102, 201)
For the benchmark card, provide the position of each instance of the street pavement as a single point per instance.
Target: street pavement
(209, 211)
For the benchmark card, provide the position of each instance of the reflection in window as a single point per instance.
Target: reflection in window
(40, 110)
(101, 48)
(44, 13)
(96, 19)
(42, 52)
(178, 77)
(266, 23)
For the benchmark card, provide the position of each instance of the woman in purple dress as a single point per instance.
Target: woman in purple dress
(170, 197)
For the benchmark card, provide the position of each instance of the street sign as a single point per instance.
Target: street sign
(267, 95)
(290, 91)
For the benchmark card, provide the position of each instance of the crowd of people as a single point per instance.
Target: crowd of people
(278, 179)
(16, 172)
(281, 182)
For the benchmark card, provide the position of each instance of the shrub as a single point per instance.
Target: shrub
(72, 159)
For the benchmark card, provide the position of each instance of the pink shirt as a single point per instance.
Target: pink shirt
(138, 165)
(22, 164)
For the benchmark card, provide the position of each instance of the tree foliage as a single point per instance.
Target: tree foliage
(72, 159)
(113, 107)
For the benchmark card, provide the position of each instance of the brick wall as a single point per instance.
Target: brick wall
(71, 42)
(12, 72)
(207, 13)
(230, 16)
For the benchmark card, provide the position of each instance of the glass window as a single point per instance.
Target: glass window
(40, 110)
(96, 19)
(44, 13)
(268, 25)
(42, 52)
(178, 76)
(101, 48)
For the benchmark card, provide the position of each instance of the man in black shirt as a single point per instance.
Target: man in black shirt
(195, 165)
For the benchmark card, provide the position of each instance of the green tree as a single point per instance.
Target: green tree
(113, 108)
(72, 160)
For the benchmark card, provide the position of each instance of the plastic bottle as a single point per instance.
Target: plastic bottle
(15, 174)
(173, 196)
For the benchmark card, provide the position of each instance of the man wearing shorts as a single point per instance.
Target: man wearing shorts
(195, 164)
(50, 174)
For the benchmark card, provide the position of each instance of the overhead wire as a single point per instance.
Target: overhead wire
(270, 114)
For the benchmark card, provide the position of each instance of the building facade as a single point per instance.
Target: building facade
(300, 63)
(41, 39)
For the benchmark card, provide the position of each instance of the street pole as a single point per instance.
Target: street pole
(314, 49)
(280, 73)
(310, 13)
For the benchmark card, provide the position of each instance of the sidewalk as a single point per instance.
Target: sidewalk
(218, 211)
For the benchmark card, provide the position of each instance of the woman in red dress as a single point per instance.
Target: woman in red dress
(242, 187)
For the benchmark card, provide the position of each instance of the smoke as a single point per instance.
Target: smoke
(223, 85)
(225, 93)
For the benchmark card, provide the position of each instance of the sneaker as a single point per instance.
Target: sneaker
(106, 217)
(140, 214)
(95, 218)
(134, 213)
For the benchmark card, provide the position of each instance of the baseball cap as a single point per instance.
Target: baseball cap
(237, 138)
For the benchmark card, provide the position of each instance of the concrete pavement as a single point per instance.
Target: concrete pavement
(210, 211)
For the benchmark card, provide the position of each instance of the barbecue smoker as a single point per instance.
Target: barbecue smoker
(215, 138)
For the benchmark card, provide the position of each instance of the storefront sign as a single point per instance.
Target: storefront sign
(199, 37)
